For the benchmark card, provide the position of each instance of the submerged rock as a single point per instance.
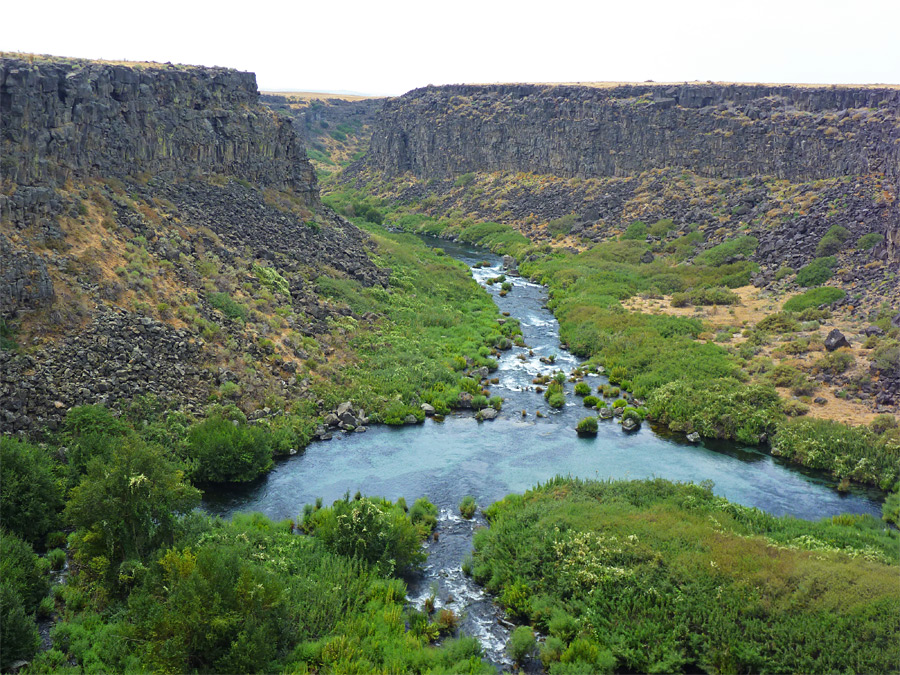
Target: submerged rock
(693, 437)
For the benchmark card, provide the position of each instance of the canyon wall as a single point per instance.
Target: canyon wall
(68, 119)
(723, 131)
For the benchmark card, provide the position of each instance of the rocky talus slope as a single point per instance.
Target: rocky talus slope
(161, 234)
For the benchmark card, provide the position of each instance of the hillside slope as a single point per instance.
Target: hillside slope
(161, 233)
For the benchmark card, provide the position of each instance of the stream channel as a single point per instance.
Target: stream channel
(460, 456)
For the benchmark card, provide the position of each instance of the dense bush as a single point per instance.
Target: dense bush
(587, 426)
(814, 297)
(857, 453)
(614, 573)
(222, 451)
(723, 408)
(18, 630)
(637, 230)
(374, 531)
(228, 306)
(467, 507)
(816, 272)
(521, 644)
(31, 498)
(582, 389)
(868, 241)
(832, 241)
(743, 245)
(128, 506)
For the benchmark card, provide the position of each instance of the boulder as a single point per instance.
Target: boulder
(410, 419)
(630, 424)
(873, 330)
(344, 407)
(835, 340)
(428, 409)
(647, 257)
(332, 420)
(693, 437)
(606, 413)
(487, 414)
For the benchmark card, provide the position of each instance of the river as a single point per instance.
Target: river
(460, 456)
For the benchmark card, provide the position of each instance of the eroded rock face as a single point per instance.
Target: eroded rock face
(795, 133)
(64, 119)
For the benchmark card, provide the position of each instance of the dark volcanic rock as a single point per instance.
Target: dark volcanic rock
(590, 132)
(63, 119)
(835, 340)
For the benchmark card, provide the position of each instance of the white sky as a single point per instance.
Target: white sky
(392, 46)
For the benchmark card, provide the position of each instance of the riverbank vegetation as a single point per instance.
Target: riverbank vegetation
(651, 576)
(691, 378)
(155, 586)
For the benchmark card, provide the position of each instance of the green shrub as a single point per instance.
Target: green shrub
(22, 571)
(467, 507)
(223, 452)
(228, 306)
(783, 271)
(590, 401)
(522, 644)
(743, 245)
(816, 272)
(464, 180)
(18, 631)
(31, 498)
(424, 515)
(824, 295)
(723, 408)
(563, 225)
(847, 452)
(587, 426)
(57, 558)
(637, 230)
(271, 278)
(619, 403)
(834, 363)
(582, 389)
(705, 296)
(869, 241)
(832, 241)
(373, 531)
(886, 357)
(782, 322)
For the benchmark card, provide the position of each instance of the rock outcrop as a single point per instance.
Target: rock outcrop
(158, 219)
(65, 119)
(793, 133)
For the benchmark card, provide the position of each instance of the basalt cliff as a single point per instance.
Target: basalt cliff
(161, 234)
(787, 162)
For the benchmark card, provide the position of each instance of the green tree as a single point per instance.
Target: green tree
(130, 505)
(227, 452)
(31, 498)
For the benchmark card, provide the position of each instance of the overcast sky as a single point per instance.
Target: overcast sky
(392, 46)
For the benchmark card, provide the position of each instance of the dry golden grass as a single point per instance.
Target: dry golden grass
(320, 95)
(140, 65)
(612, 85)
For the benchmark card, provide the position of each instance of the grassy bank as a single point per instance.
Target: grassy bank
(650, 576)
(691, 377)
